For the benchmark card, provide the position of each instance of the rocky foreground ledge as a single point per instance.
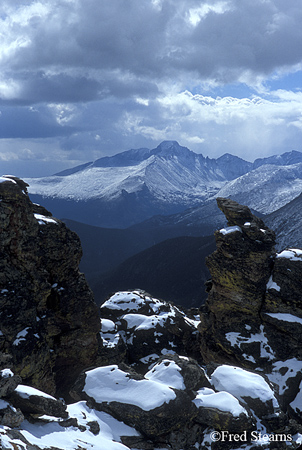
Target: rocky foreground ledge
(141, 373)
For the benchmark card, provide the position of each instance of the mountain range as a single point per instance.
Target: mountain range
(133, 186)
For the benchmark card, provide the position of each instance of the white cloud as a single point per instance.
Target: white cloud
(196, 14)
(64, 113)
(9, 89)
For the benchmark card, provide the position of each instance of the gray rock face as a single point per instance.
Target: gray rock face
(9, 416)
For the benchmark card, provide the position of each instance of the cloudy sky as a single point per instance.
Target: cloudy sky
(82, 79)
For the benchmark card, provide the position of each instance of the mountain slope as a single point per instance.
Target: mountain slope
(286, 159)
(106, 248)
(169, 170)
(174, 269)
(266, 188)
(287, 224)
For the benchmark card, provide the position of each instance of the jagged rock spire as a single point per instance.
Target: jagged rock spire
(240, 269)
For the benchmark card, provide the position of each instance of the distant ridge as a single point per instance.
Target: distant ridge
(130, 187)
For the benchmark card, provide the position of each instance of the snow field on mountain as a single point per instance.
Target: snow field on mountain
(266, 188)
(166, 180)
(95, 182)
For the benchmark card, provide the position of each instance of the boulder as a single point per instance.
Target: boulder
(8, 382)
(248, 387)
(154, 405)
(32, 401)
(10, 416)
(222, 411)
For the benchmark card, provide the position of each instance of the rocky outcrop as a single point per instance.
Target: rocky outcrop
(138, 329)
(253, 315)
(240, 269)
(283, 302)
(49, 321)
(8, 382)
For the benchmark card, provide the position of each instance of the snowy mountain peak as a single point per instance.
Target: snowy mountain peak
(168, 146)
(286, 159)
(228, 157)
(171, 148)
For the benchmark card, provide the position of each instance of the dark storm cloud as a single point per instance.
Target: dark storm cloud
(73, 51)
(154, 39)
(23, 122)
(257, 36)
(35, 87)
